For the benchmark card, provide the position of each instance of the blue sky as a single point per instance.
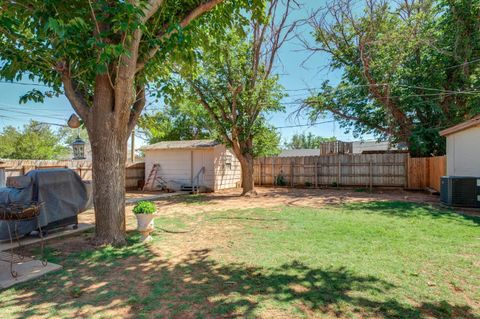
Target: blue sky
(293, 76)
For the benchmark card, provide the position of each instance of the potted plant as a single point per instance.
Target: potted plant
(145, 212)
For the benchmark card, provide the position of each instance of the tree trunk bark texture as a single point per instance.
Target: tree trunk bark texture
(108, 133)
(109, 156)
(246, 163)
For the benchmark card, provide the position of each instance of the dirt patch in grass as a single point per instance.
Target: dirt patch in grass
(267, 257)
(267, 198)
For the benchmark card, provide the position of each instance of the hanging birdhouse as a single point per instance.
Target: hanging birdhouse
(74, 121)
(78, 147)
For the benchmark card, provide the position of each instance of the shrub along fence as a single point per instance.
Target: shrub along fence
(134, 173)
(358, 170)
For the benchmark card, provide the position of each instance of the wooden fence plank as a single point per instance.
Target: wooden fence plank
(425, 172)
(134, 172)
(340, 169)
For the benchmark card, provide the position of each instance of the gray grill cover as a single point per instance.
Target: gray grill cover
(63, 192)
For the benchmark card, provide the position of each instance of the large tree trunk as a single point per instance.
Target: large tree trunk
(109, 156)
(246, 163)
(108, 137)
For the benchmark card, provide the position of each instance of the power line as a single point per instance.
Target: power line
(24, 83)
(462, 64)
(33, 115)
(302, 125)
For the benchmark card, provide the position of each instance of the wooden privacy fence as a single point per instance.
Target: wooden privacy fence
(134, 172)
(425, 172)
(361, 170)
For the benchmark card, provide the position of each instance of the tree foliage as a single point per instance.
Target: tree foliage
(307, 141)
(190, 121)
(33, 141)
(233, 78)
(409, 69)
(102, 54)
(186, 121)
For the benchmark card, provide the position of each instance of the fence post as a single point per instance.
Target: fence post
(261, 173)
(292, 173)
(407, 170)
(370, 173)
(339, 172)
(315, 172)
(273, 172)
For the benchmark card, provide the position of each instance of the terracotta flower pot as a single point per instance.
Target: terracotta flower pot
(145, 225)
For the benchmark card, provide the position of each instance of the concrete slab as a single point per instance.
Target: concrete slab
(27, 269)
(6, 245)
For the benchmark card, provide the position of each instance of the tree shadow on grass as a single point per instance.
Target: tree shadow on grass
(409, 210)
(135, 282)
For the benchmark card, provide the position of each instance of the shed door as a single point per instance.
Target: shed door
(198, 161)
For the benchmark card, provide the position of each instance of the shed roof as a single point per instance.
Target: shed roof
(462, 126)
(181, 145)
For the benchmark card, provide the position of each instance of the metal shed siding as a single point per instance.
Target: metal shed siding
(463, 152)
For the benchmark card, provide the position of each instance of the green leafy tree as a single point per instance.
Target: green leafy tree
(34, 141)
(102, 54)
(307, 141)
(233, 78)
(188, 121)
(266, 141)
(409, 69)
(191, 121)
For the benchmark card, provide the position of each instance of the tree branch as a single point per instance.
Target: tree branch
(136, 109)
(72, 93)
(210, 111)
(151, 8)
(383, 95)
(192, 15)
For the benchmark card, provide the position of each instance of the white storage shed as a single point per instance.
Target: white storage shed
(463, 148)
(183, 164)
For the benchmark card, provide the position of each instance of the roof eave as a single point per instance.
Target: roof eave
(176, 148)
(461, 127)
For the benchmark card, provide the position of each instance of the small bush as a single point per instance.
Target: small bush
(281, 180)
(144, 207)
(308, 184)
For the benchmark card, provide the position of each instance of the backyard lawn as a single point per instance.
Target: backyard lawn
(377, 259)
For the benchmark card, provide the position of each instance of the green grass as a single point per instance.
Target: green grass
(194, 199)
(368, 260)
(380, 255)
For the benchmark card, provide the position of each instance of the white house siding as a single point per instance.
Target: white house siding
(228, 173)
(463, 153)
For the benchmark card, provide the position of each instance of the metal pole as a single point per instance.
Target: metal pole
(132, 147)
